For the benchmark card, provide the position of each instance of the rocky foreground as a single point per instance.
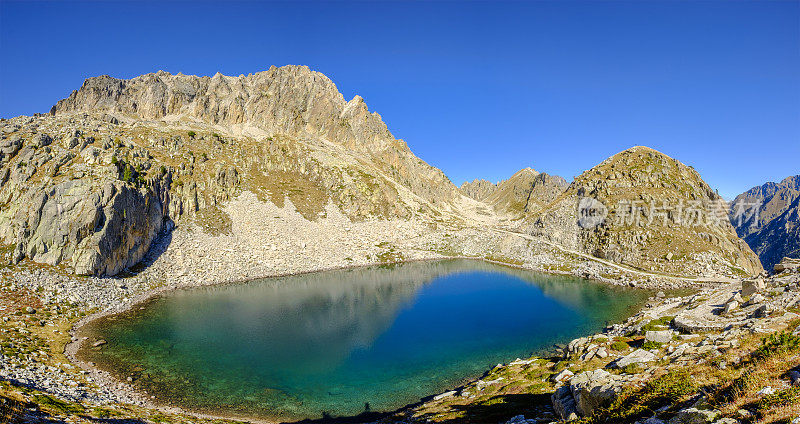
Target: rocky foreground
(724, 355)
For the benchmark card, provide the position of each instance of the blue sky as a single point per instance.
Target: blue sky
(476, 89)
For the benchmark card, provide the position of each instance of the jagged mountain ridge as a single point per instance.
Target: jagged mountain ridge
(169, 149)
(288, 100)
(655, 213)
(766, 217)
(526, 191)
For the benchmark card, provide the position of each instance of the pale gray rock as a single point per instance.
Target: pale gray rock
(93, 230)
(635, 357)
(564, 404)
(694, 416)
(664, 336)
(562, 376)
(594, 389)
(730, 307)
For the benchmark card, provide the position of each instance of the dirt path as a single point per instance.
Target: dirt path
(618, 266)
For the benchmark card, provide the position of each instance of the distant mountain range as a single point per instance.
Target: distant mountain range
(90, 185)
(767, 217)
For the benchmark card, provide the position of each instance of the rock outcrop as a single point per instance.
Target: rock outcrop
(93, 230)
(586, 392)
(767, 217)
(645, 209)
(787, 265)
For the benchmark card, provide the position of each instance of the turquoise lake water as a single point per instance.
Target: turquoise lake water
(295, 347)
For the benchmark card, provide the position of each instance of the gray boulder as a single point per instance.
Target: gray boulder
(752, 286)
(586, 392)
(694, 416)
(664, 336)
(564, 404)
(635, 357)
(594, 389)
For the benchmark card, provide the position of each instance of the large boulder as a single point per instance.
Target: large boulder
(635, 357)
(586, 392)
(564, 403)
(787, 265)
(664, 336)
(753, 286)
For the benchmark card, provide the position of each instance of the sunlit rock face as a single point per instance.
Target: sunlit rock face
(88, 186)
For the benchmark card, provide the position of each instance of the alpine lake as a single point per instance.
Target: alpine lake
(338, 342)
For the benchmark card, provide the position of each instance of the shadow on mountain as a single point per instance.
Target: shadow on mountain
(364, 417)
(157, 248)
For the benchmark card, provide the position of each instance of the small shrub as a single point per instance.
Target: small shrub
(647, 345)
(773, 344)
(127, 175)
(656, 323)
(191, 134)
(619, 346)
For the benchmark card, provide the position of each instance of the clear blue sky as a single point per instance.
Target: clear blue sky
(476, 89)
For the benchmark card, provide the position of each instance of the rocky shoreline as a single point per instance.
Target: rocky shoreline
(707, 328)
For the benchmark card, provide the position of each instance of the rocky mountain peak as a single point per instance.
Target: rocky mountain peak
(291, 101)
(643, 208)
(478, 188)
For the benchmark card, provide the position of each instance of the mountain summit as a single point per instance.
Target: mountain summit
(290, 100)
(643, 208)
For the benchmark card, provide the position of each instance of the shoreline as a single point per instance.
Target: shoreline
(128, 393)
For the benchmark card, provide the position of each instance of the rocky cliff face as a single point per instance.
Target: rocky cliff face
(90, 185)
(645, 209)
(766, 217)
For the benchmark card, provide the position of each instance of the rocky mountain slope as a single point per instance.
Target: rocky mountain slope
(766, 217)
(645, 209)
(478, 188)
(525, 191)
(90, 186)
